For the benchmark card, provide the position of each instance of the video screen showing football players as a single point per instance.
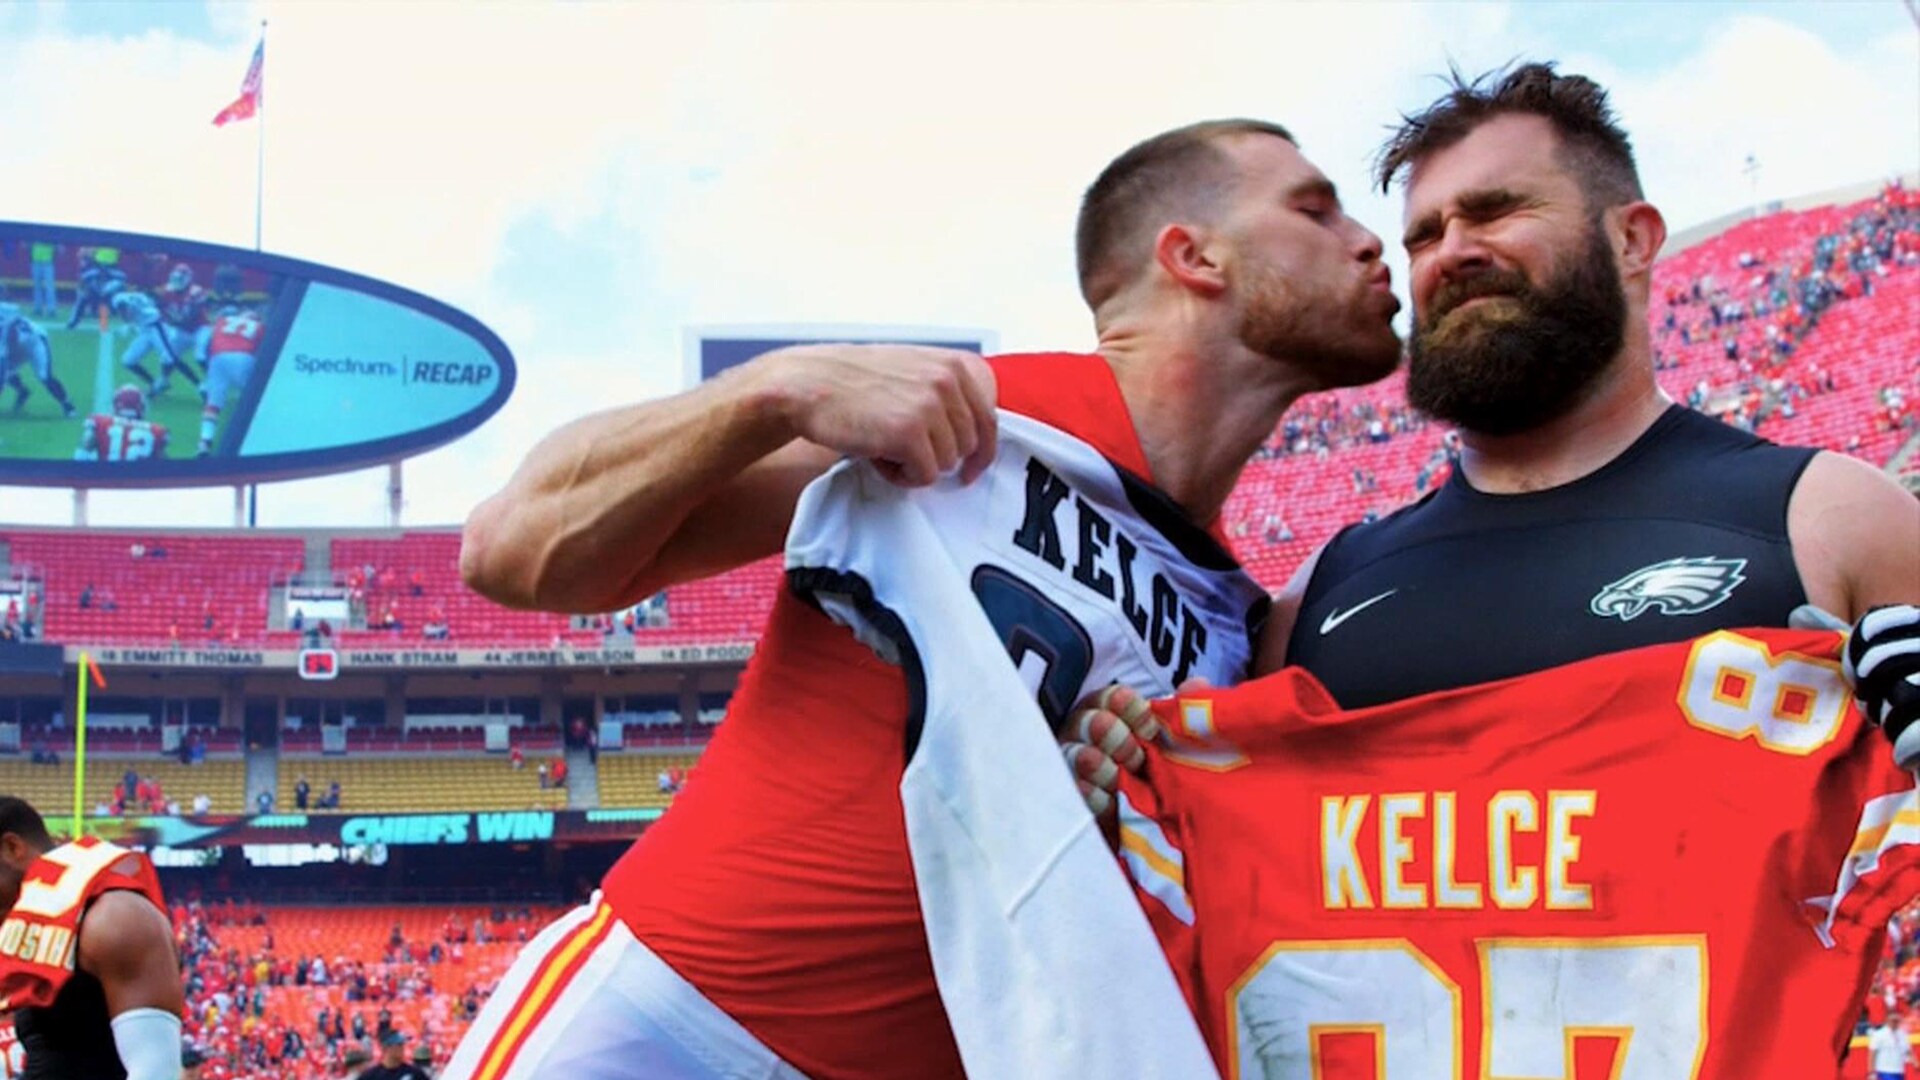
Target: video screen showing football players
(122, 356)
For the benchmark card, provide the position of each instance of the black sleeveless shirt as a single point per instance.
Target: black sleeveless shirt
(71, 1039)
(1684, 533)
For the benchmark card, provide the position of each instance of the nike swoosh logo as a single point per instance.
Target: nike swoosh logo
(1334, 618)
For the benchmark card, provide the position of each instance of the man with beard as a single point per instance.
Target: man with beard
(1589, 516)
(1589, 513)
(87, 960)
(770, 920)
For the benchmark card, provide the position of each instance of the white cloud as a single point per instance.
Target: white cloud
(589, 179)
(1816, 118)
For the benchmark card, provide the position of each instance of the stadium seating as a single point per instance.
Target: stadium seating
(389, 740)
(633, 780)
(164, 595)
(729, 608)
(128, 742)
(402, 784)
(1870, 345)
(348, 941)
(50, 787)
(435, 557)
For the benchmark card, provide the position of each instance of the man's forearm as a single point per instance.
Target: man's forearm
(589, 511)
(621, 504)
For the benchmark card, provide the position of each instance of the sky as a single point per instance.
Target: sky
(591, 179)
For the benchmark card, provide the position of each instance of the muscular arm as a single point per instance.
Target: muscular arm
(1855, 535)
(617, 505)
(600, 513)
(127, 944)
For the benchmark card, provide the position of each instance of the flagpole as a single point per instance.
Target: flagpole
(260, 144)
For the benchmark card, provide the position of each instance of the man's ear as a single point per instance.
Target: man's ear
(1184, 254)
(1640, 231)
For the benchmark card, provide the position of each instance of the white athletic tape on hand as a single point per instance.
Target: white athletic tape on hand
(1080, 725)
(1097, 801)
(1137, 713)
(1107, 775)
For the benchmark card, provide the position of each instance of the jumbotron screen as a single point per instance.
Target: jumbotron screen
(135, 361)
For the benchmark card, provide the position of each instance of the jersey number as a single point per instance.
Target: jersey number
(78, 866)
(1539, 997)
(1052, 651)
(126, 442)
(240, 324)
(1790, 704)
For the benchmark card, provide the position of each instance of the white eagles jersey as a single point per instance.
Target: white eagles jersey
(136, 309)
(1053, 574)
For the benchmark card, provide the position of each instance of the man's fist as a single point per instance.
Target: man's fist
(1115, 721)
(1883, 664)
(917, 411)
(1108, 733)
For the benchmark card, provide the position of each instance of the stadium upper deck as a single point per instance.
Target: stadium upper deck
(1804, 325)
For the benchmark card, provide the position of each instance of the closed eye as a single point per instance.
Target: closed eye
(1317, 199)
(1478, 207)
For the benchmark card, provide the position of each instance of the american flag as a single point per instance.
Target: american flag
(248, 102)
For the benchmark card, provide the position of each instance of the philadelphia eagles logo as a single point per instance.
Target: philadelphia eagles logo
(1685, 586)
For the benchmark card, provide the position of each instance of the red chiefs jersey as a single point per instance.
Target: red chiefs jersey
(118, 438)
(39, 941)
(1673, 862)
(185, 308)
(236, 332)
(779, 883)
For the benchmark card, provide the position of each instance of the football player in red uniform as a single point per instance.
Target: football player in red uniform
(87, 962)
(126, 434)
(232, 346)
(770, 920)
(183, 319)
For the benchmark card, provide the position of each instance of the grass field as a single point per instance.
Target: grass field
(40, 432)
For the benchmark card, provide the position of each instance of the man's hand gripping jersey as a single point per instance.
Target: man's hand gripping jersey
(1667, 863)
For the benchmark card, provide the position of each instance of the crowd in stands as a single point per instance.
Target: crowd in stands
(552, 774)
(379, 593)
(1895, 991)
(1753, 316)
(294, 994)
(137, 794)
(303, 798)
(1326, 423)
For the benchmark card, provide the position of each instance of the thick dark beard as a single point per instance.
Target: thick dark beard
(1505, 372)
